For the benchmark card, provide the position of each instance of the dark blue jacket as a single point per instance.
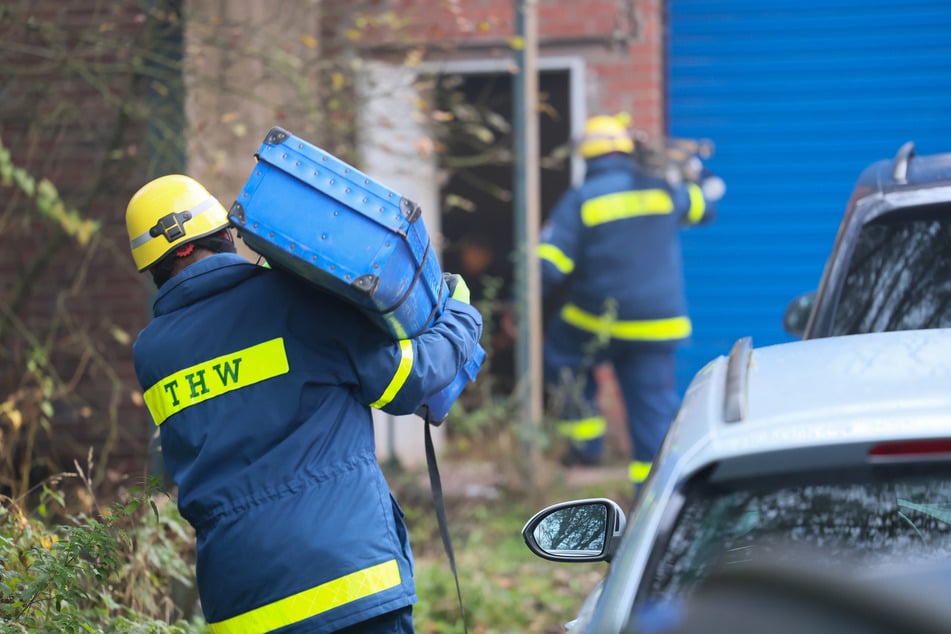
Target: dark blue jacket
(614, 241)
(262, 387)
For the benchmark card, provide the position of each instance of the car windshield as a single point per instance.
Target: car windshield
(869, 522)
(899, 275)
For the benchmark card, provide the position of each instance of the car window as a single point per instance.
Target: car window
(870, 522)
(899, 276)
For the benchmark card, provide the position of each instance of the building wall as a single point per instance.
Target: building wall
(248, 66)
(76, 307)
(799, 97)
(622, 43)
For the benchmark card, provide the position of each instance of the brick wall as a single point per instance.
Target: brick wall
(62, 118)
(622, 43)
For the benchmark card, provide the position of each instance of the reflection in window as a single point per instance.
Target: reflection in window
(899, 277)
(870, 525)
(574, 529)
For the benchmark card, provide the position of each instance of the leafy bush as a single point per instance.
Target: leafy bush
(120, 569)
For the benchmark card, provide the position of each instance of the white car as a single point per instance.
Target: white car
(839, 444)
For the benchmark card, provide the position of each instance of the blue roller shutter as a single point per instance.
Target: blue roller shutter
(798, 96)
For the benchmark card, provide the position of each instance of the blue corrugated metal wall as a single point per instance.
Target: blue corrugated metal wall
(798, 95)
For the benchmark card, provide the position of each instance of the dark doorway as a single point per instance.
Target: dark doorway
(478, 217)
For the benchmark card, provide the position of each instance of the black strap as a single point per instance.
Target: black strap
(436, 485)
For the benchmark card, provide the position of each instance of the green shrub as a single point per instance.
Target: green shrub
(121, 569)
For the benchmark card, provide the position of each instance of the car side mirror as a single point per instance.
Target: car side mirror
(797, 313)
(579, 530)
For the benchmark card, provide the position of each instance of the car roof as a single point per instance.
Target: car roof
(906, 170)
(908, 181)
(834, 390)
(902, 187)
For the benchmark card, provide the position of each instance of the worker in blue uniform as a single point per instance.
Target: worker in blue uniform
(613, 290)
(262, 388)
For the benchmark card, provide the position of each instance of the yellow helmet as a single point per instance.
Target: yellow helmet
(168, 212)
(603, 135)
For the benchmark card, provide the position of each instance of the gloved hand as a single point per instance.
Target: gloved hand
(713, 188)
(458, 289)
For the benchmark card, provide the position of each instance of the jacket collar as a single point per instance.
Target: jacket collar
(208, 276)
(608, 163)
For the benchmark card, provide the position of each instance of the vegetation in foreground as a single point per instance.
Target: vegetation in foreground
(71, 565)
(505, 588)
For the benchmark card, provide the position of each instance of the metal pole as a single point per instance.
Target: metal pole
(527, 221)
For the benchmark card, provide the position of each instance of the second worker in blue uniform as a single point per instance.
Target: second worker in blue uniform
(612, 270)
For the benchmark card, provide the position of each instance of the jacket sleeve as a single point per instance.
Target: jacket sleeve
(559, 242)
(400, 376)
(692, 207)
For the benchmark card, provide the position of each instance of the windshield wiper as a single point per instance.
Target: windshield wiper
(941, 512)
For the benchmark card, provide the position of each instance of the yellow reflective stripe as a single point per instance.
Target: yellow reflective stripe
(584, 429)
(557, 257)
(312, 602)
(638, 471)
(633, 330)
(622, 205)
(698, 205)
(215, 377)
(406, 364)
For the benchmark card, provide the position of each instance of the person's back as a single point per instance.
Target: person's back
(628, 246)
(262, 387)
(611, 256)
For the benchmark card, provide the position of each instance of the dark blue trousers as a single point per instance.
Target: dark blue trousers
(646, 374)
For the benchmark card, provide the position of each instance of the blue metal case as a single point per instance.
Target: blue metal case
(312, 214)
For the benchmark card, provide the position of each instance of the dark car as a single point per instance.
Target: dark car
(890, 266)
